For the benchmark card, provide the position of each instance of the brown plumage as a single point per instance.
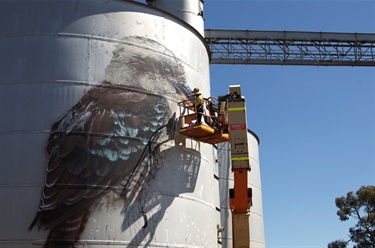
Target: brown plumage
(98, 147)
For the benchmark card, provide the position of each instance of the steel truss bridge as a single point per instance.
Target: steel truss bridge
(290, 48)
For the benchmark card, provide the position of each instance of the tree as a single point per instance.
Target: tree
(361, 207)
(338, 244)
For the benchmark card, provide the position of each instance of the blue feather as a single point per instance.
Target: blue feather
(110, 154)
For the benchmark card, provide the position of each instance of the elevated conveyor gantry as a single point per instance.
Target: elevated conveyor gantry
(290, 48)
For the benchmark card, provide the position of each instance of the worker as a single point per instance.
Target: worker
(198, 104)
(214, 114)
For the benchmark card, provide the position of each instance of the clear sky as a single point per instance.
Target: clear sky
(316, 124)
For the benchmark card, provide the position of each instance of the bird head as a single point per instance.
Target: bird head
(145, 64)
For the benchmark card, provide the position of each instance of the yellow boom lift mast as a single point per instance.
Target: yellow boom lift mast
(225, 120)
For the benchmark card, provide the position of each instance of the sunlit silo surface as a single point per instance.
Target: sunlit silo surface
(88, 146)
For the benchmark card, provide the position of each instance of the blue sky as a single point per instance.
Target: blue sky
(316, 124)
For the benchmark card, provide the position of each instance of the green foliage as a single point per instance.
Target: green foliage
(361, 207)
(338, 244)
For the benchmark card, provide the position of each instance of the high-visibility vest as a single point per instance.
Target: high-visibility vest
(199, 100)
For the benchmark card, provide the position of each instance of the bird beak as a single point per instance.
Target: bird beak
(183, 90)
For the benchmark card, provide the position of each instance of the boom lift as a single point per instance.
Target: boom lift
(225, 120)
(212, 130)
(239, 196)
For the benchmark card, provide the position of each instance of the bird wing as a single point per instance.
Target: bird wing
(94, 147)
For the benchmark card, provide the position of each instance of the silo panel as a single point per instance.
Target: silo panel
(31, 57)
(50, 67)
(26, 101)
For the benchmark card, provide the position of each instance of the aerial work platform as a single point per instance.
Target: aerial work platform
(211, 130)
(204, 133)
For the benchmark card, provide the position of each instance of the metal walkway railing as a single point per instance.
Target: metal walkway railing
(291, 48)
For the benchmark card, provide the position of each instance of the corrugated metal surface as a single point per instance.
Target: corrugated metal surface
(257, 239)
(52, 53)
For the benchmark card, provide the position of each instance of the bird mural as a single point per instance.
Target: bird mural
(104, 149)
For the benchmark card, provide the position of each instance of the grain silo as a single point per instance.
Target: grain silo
(89, 152)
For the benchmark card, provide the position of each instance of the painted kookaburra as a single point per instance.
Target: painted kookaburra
(94, 149)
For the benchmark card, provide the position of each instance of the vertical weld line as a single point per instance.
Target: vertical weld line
(89, 51)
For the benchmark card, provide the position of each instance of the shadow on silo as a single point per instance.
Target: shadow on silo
(180, 171)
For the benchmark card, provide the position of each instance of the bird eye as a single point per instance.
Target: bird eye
(167, 70)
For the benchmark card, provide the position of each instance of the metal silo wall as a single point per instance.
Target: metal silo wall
(257, 238)
(191, 11)
(52, 53)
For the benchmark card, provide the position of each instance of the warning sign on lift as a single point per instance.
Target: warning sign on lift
(237, 127)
